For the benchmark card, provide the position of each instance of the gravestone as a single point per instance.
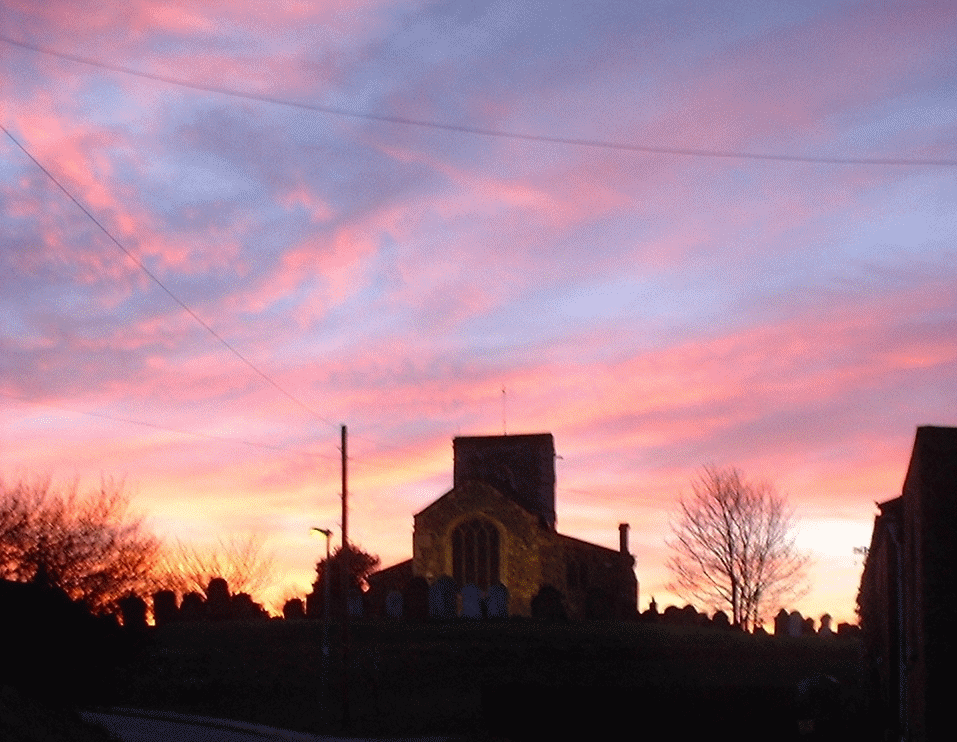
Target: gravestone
(165, 610)
(720, 620)
(781, 623)
(193, 607)
(795, 624)
(442, 598)
(294, 609)
(471, 601)
(672, 615)
(133, 610)
(496, 603)
(242, 606)
(393, 604)
(826, 629)
(848, 630)
(694, 618)
(217, 599)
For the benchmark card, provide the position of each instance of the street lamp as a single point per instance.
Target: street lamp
(324, 680)
(325, 578)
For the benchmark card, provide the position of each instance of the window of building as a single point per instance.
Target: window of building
(475, 554)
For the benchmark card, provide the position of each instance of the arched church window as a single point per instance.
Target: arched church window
(475, 553)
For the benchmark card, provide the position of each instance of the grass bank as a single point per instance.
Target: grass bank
(474, 679)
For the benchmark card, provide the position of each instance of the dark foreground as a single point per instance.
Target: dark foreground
(515, 680)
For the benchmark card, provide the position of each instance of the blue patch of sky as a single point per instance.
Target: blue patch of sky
(894, 238)
(901, 126)
(905, 220)
(644, 309)
(18, 328)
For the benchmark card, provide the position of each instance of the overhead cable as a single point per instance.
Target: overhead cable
(156, 426)
(479, 131)
(159, 283)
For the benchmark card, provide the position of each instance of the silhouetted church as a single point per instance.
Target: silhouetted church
(497, 525)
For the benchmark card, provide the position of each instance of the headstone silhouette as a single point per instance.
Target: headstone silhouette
(672, 615)
(165, 610)
(691, 617)
(826, 629)
(242, 606)
(133, 610)
(496, 602)
(795, 624)
(217, 599)
(720, 620)
(294, 609)
(193, 607)
(781, 622)
(471, 601)
(442, 598)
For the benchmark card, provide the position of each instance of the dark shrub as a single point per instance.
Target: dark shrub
(63, 653)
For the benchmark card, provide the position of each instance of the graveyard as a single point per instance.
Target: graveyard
(511, 679)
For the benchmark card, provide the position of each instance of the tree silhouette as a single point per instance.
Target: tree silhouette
(241, 561)
(86, 544)
(360, 565)
(733, 547)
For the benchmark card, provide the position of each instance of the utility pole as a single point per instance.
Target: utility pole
(345, 510)
(344, 581)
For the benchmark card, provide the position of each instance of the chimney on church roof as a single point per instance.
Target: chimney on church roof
(623, 537)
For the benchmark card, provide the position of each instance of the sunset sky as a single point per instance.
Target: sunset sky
(657, 311)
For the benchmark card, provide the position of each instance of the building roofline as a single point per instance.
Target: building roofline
(589, 544)
(515, 436)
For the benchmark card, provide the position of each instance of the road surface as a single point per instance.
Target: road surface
(133, 725)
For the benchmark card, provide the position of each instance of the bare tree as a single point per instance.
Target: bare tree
(241, 561)
(733, 547)
(86, 544)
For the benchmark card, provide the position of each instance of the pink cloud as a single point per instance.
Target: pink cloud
(791, 80)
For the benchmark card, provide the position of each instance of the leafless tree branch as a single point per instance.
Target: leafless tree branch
(733, 547)
(86, 544)
(241, 561)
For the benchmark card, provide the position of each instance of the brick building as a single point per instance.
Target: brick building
(908, 593)
(497, 525)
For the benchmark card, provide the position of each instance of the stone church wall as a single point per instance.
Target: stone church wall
(522, 539)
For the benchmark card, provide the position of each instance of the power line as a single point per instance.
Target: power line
(478, 131)
(155, 426)
(159, 283)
